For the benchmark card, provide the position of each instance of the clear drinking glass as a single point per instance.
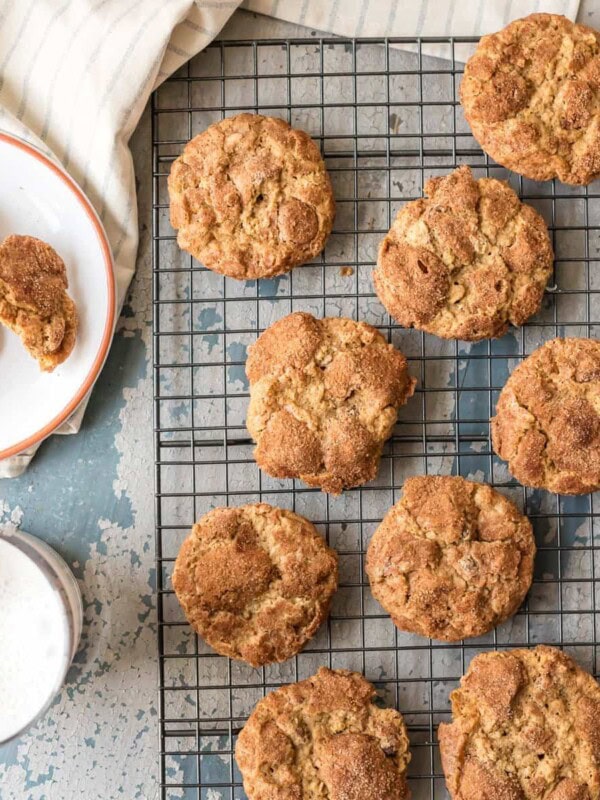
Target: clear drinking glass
(64, 588)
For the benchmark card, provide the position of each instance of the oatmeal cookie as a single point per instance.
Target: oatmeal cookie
(547, 423)
(33, 299)
(466, 261)
(531, 94)
(251, 198)
(255, 581)
(324, 739)
(526, 725)
(451, 559)
(324, 397)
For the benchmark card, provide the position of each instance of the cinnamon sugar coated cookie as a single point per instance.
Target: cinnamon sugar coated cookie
(324, 397)
(251, 198)
(547, 423)
(466, 261)
(451, 559)
(34, 302)
(531, 94)
(526, 726)
(255, 581)
(324, 739)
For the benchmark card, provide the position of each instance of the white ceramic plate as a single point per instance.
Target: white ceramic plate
(37, 198)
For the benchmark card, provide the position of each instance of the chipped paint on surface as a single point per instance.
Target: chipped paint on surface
(91, 497)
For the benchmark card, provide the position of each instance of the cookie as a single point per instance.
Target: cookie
(531, 94)
(466, 261)
(255, 582)
(251, 198)
(526, 726)
(324, 397)
(547, 423)
(34, 302)
(324, 739)
(451, 559)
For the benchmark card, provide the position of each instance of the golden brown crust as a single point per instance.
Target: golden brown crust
(547, 423)
(324, 397)
(255, 581)
(451, 559)
(465, 262)
(251, 198)
(526, 726)
(324, 739)
(531, 94)
(33, 299)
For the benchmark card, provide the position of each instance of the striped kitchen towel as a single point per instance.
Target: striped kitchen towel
(75, 76)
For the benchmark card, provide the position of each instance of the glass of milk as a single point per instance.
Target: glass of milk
(40, 626)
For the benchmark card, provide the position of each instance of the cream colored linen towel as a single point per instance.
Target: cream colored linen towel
(75, 76)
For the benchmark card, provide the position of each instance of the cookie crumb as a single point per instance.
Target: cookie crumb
(345, 272)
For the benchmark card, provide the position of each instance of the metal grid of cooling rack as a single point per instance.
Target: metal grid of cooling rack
(386, 116)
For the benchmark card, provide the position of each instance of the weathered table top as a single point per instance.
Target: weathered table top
(91, 497)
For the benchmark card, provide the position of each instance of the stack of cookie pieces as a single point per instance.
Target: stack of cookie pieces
(34, 302)
(251, 198)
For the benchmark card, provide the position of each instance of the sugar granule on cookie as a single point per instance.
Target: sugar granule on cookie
(251, 198)
(526, 725)
(452, 559)
(547, 423)
(324, 738)
(255, 582)
(531, 94)
(324, 397)
(466, 261)
(33, 299)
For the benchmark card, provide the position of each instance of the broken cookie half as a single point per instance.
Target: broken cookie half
(33, 299)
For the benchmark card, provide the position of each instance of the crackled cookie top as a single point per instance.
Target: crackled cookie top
(526, 726)
(547, 423)
(324, 397)
(33, 299)
(531, 94)
(251, 198)
(451, 559)
(255, 581)
(466, 261)
(324, 739)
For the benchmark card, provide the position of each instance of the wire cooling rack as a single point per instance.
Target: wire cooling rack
(386, 116)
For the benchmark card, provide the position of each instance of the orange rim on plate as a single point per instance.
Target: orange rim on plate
(107, 335)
